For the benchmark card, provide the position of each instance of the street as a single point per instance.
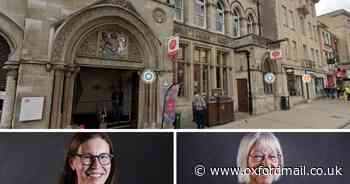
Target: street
(320, 114)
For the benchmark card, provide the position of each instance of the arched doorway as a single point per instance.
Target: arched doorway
(99, 51)
(107, 94)
(5, 51)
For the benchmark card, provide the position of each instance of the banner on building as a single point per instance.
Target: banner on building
(173, 46)
(170, 103)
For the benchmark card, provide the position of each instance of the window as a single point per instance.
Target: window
(295, 50)
(302, 25)
(236, 23)
(318, 57)
(220, 11)
(285, 15)
(306, 53)
(200, 11)
(221, 72)
(319, 85)
(295, 85)
(310, 30)
(312, 54)
(178, 9)
(201, 71)
(267, 68)
(312, 57)
(180, 68)
(292, 19)
(315, 33)
(288, 52)
(250, 24)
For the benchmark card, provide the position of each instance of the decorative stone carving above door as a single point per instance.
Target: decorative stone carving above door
(110, 42)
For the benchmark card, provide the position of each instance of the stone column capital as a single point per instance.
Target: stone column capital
(11, 70)
(72, 70)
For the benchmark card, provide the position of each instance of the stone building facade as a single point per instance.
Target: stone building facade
(215, 37)
(296, 22)
(338, 22)
(74, 54)
(80, 56)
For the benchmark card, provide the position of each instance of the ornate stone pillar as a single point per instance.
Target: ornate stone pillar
(11, 86)
(228, 23)
(70, 75)
(243, 28)
(56, 110)
(211, 16)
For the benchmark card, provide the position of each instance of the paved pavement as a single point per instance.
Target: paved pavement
(320, 114)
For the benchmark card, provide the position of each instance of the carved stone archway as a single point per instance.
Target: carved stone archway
(13, 34)
(71, 34)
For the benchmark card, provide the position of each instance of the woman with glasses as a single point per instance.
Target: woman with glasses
(90, 160)
(259, 157)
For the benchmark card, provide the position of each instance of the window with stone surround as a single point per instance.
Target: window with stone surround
(200, 13)
(295, 50)
(295, 85)
(221, 71)
(236, 23)
(285, 15)
(250, 24)
(302, 25)
(292, 19)
(179, 10)
(180, 68)
(310, 30)
(201, 71)
(220, 16)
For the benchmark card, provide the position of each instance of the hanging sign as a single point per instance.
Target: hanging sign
(276, 54)
(173, 46)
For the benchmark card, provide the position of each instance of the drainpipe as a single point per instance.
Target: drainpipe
(250, 99)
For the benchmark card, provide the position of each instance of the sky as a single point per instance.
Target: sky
(326, 6)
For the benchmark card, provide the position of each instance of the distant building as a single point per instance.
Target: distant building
(295, 21)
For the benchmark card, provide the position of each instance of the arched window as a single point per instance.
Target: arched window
(250, 24)
(200, 11)
(179, 10)
(236, 23)
(267, 68)
(220, 11)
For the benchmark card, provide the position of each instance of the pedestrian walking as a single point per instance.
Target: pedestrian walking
(199, 108)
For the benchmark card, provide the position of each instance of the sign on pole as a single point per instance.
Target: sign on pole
(269, 78)
(276, 54)
(173, 46)
(148, 76)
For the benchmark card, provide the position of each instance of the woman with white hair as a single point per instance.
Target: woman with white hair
(259, 151)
